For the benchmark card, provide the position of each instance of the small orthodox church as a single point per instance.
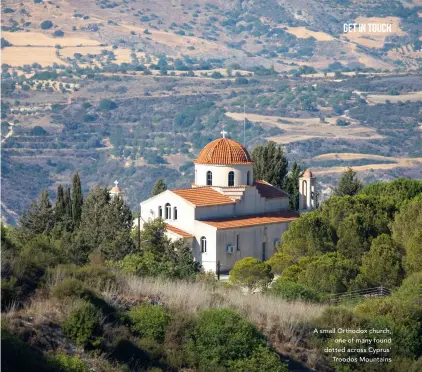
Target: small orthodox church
(226, 215)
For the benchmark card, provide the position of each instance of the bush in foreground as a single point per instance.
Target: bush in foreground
(83, 325)
(149, 321)
(221, 338)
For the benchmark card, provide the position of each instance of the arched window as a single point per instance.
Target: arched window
(231, 178)
(160, 211)
(175, 213)
(209, 178)
(168, 211)
(305, 194)
(248, 175)
(204, 244)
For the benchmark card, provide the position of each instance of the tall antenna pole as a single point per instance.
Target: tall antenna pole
(244, 124)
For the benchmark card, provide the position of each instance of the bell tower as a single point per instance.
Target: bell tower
(307, 191)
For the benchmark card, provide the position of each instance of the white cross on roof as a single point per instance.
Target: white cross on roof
(116, 183)
(223, 132)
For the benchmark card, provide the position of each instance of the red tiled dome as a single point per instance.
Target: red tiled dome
(307, 174)
(224, 151)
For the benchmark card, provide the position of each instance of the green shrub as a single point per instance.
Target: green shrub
(107, 105)
(292, 291)
(175, 338)
(340, 317)
(279, 261)
(69, 287)
(95, 275)
(251, 272)
(66, 363)
(220, 337)
(149, 321)
(46, 25)
(90, 275)
(411, 288)
(262, 359)
(83, 325)
(405, 319)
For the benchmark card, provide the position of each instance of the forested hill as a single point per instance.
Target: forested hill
(78, 293)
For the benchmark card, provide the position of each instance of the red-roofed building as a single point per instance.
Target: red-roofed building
(226, 215)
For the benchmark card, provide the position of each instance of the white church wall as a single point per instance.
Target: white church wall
(207, 259)
(185, 210)
(250, 243)
(220, 174)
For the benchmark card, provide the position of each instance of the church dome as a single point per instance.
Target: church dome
(224, 151)
(307, 174)
(115, 189)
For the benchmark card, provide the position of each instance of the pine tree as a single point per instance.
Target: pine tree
(106, 226)
(77, 199)
(39, 218)
(270, 163)
(159, 187)
(349, 184)
(60, 209)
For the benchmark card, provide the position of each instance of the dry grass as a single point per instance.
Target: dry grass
(274, 316)
(19, 56)
(304, 33)
(296, 129)
(40, 39)
(397, 162)
(373, 99)
(267, 312)
(179, 43)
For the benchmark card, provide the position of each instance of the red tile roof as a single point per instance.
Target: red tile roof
(203, 196)
(266, 190)
(252, 220)
(224, 151)
(178, 231)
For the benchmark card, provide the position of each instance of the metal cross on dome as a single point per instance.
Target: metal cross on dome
(116, 183)
(223, 132)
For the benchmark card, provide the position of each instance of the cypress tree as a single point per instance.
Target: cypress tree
(292, 186)
(77, 199)
(60, 209)
(159, 187)
(270, 163)
(68, 203)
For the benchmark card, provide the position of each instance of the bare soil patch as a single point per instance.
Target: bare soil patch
(40, 39)
(304, 33)
(373, 99)
(19, 56)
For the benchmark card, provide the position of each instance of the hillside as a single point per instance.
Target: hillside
(80, 292)
(133, 90)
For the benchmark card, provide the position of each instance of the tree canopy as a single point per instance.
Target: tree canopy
(348, 184)
(159, 187)
(270, 163)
